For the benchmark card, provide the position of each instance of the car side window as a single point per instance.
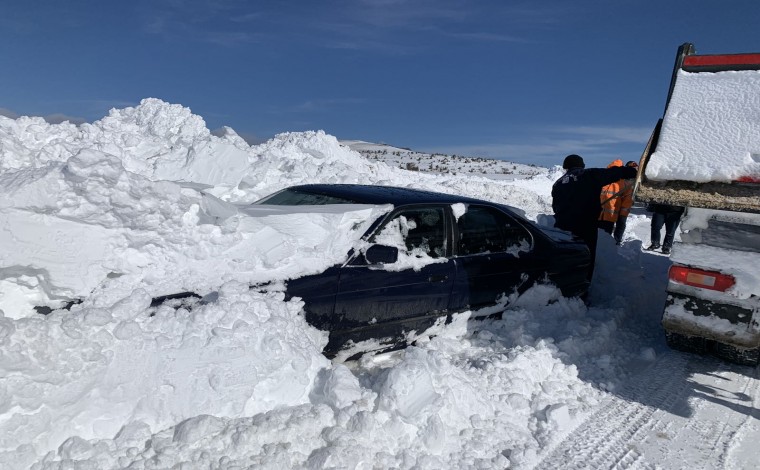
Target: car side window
(488, 230)
(418, 232)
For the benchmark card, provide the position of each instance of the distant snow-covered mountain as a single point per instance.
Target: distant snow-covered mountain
(409, 159)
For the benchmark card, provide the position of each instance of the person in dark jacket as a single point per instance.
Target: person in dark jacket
(669, 216)
(575, 198)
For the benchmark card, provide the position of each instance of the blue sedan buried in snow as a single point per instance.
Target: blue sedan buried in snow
(431, 256)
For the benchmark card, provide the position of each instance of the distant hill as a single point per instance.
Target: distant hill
(439, 163)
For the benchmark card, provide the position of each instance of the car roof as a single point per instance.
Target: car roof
(370, 194)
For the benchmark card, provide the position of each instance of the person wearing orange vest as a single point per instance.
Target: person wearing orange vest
(616, 200)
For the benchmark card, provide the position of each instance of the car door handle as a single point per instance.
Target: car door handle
(438, 278)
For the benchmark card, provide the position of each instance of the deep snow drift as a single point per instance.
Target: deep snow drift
(147, 202)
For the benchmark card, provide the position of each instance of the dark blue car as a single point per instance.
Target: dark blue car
(462, 254)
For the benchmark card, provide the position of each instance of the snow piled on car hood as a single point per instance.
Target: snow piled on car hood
(145, 202)
(90, 225)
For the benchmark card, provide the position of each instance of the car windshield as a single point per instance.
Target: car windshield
(295, 197)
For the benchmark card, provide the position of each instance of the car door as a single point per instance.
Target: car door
(495, 255)
(387, 300)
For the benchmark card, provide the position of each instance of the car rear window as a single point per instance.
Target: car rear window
(293, 197)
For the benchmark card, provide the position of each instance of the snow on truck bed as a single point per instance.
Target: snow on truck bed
(711, 129)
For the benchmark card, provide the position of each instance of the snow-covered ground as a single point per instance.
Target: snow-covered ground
(146, 202)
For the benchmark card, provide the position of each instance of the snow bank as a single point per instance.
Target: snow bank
(711, 129)
(132, 200)
(90, 224)
(480, 394)
(90, 373)
(437, 406)
(155, 139)
(148, 202)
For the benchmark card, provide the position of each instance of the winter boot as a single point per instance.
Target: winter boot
(653, 246)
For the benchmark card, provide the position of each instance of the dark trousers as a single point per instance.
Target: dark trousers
(620, 228)
(670, 221)
(606, 225)
(590, 236)
(616, 229)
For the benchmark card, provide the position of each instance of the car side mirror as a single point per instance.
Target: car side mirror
(381, 254)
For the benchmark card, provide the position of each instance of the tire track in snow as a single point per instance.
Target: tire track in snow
(741, 450)
(604, 439)
(716, 416)
(721, 436)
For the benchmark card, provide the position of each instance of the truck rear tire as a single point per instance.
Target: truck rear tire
(692, 344)
(743, 356)
(697, 345)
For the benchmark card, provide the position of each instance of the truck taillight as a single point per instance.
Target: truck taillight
(748, 179)
(698, 278)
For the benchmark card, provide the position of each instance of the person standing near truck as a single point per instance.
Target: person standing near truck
(575, 198)
(617, 200)
(670, 217)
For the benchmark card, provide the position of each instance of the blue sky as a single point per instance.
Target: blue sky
(524, 81)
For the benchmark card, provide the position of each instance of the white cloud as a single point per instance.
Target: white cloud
(598, 145)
